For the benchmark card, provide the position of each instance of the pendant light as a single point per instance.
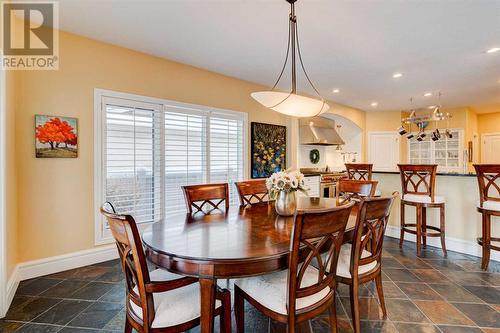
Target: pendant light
(290, 103)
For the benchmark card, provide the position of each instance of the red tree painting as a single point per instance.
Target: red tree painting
(56, 136)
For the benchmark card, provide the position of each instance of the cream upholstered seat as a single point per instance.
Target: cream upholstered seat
(271, 290)
(490, 205)
(176, 306)
(420, 198)
(344, 263)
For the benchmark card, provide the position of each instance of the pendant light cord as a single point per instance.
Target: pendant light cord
(286, 58)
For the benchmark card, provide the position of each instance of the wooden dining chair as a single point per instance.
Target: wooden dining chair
(206, 198)
(349, 189)
(158, 301)
(360, 262)
(418, 182)
(359, 171)
(488, 177)
(252, 191)
(303, 291)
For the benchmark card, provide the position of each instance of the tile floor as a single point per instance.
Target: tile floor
(427, 294)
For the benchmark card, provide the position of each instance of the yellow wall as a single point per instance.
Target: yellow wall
(488, 123)
(56, 213)
(11, 174)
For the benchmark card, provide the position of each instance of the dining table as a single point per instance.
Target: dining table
(240, 242)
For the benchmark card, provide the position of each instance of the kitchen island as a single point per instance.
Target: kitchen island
(463, 222)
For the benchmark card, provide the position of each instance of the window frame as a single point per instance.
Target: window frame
(102, 234)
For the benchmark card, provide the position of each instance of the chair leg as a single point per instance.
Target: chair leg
(419, 228)
(380, 292)
(486, 241)
(239, 310)
(402, 236)
(354, 294)
(333, 317)
(424, 227)
(225, 316)
(128, 327)
(442, 227)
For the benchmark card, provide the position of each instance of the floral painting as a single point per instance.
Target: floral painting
(268, 149)
(56, 137)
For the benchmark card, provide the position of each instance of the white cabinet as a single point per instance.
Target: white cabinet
(446, 152)
(383, 150)
(312, 183)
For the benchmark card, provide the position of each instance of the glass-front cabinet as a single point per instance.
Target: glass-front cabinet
(447, 152)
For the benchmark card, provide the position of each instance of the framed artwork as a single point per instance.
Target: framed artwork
(56, 137)
(268, 151)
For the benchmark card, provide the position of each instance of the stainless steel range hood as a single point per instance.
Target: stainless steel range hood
(318, 131)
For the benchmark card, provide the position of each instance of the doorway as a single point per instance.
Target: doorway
(490, 148)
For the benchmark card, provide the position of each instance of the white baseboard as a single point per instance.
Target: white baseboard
(51, 265)
(452, 244)
(12, 285)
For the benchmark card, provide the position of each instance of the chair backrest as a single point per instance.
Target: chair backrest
(418, 179)
(488, 177)
(349, 189)
(133, 261)
(252, 191)
(311, 233)
(371, 222)
(211, 196)
(359, 171)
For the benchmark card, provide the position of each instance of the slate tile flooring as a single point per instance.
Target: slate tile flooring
(430, 294)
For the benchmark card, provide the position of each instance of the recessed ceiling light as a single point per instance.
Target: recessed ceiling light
(374, 104)
(336, 91)
(493, 50)
(431, 106)
(397, 75)
(428, 94)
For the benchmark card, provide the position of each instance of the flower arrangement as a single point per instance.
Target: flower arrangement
(285, 181)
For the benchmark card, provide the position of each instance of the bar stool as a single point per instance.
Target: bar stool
(488, 177)
(418, 182)
(359, 171)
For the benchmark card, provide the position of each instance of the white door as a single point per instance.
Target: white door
(490, 149)
(383, 150)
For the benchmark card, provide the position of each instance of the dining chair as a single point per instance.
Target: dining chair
(350, 189)
(359, 171)
(418, 182)
(488, 177)
(158, 301)
(303, 291)
(252, 191)
(360, 262)
(206, 198)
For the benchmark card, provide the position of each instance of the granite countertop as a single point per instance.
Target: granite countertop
(455, 174)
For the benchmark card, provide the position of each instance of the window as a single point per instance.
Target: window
(446, 152)
(147, 149)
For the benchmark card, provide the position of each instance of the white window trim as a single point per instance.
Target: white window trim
(432, 156)
(101, 236)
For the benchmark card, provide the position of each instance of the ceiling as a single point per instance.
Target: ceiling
(352, 45)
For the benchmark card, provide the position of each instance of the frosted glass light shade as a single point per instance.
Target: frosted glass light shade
(290, 104)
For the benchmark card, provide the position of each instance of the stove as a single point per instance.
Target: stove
(328, 180)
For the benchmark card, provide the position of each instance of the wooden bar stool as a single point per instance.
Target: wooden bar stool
(359, 171)
(418, 182)
(488, 178)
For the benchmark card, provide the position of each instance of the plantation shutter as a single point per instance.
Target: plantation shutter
(131, 157)
(185, 154)
(226, 152)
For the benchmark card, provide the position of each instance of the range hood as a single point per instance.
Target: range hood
(318, 131)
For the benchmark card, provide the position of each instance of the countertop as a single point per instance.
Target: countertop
(454, 174)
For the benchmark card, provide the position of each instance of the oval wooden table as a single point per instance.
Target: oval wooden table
(245, 241)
